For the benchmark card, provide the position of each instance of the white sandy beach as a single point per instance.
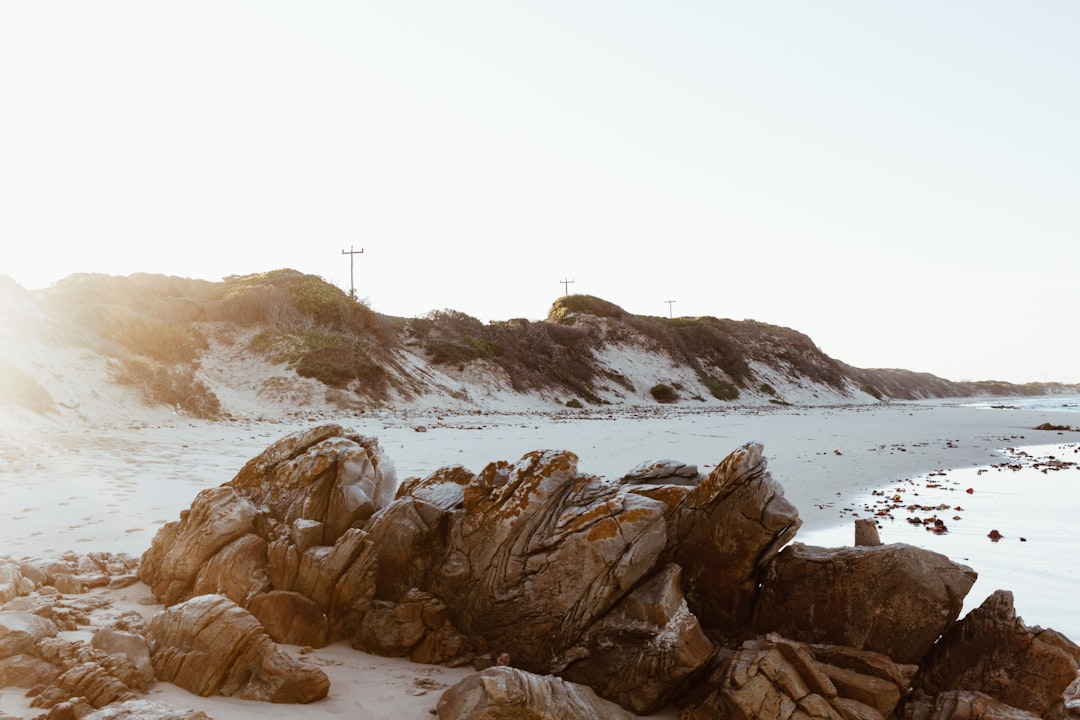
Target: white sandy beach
(69, 484)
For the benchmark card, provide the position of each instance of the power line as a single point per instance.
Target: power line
(566, 286)
(350, 252)
(669, 304)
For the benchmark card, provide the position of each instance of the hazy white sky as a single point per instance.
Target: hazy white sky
(897, 180)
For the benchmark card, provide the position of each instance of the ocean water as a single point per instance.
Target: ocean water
(1048, 403)
(1030, 499)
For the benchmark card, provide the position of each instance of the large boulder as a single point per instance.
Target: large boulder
(724, 532)
(893, 599)
(993, 652)
(564, 572)
(501, 693)
(282, 538)
(538, 553)
(326, 474)
(20, 632)
(209, 645)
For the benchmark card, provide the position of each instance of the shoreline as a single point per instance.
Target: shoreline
(70, 486)
(87, 488)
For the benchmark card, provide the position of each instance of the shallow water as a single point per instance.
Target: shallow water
(1031, 501)
(1050, 403)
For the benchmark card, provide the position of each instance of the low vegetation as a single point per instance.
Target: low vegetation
(720, 389)
(535, 355)
(156, 329)
(176, 387)
(663, 393)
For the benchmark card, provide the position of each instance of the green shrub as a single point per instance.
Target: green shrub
(290, 345)
(871, 391)
(719, 389)
(663, 393)
(533, 354)
(341, 364)
(768, 389)
(574, 403)
(583, 305)
(311, 299)
(176, 387)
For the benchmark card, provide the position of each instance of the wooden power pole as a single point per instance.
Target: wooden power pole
(350, 252)
(566, 286)
(669, 304)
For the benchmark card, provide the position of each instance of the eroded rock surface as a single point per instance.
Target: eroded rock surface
(209, 645)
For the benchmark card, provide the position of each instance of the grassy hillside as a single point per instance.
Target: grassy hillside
(156, 330)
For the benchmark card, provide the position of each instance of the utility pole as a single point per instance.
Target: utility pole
(350, 252)
(669, 304)
(566, 286)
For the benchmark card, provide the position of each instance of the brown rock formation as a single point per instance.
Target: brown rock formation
(501, 693)
(993, 652)
(773, 677)
(282, 535)
(723, 533)
(209, 645)
(538, 553)
(640, 652)
(893, 599)
(638, 588)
